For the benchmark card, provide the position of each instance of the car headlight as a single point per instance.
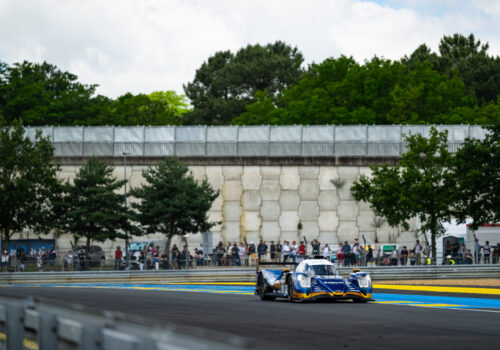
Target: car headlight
(364, 281)
(305, 282)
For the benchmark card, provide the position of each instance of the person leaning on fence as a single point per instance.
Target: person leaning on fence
(68, 260)
(272, 250)
(346, 251)
(394, 256)
(468, 257)
(285, 251)
(302, 249)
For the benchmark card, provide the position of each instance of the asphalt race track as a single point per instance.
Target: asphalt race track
(406, 321)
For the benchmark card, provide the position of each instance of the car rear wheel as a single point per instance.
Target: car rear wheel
(261, 286)
(291, 297)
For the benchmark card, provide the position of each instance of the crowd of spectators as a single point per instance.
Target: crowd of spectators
(247, 254)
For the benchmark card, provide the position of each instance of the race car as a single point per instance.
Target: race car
(312, 279)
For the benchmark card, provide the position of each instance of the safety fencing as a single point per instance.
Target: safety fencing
(244, 141)
(246, 274)
(32, 325)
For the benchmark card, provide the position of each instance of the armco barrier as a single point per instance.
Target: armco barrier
(29, 324)
(246, 274)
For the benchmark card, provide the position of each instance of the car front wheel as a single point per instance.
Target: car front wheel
(291, 297)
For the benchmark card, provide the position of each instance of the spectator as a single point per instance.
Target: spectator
(356, 250)
(142, 258)
(462, 252)
(477, 251)
(176, 260)
(21, 258)
(279, 249)
(412, 258)
(272, 250)
(340, 255)
(395, 255)
(369, 255)
(302, 249)
(251, 253)
(184, 258)
(285, 251)
(376, 253)
(5, 261)
(315, 247)
(468, 257)
(486, 252)
(219, 254)
(403, 256)
(68, 260)
(427, 251)
(155, 252)
(496, 254)
(418, 250)
(235, 257)
(52, 257)
(81, 260)
(118, 257)
(262, 250)
(293, 251)
(326, 251)
(346, 250)
(164, 259)
(242, 254)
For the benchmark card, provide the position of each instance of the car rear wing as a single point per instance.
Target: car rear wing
(277, 264)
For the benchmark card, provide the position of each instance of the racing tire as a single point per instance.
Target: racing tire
(291, 297)
(261, 286)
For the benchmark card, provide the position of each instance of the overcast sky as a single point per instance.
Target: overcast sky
(141, 46)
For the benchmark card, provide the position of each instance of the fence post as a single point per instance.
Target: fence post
(47, 332)
(15, 327)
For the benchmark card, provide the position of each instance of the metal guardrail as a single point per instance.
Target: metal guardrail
(30, 324)
(247, 274)
(244, 141)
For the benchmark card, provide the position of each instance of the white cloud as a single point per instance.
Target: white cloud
(147, 45)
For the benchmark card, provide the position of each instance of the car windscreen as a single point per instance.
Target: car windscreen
(321, 270)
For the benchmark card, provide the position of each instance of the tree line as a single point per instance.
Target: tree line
(267, 84)
(90, 206)
(435, 185)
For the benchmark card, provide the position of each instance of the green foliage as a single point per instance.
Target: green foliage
(172, 202)
(227, 82)
(340, 91)
(91, 208)
(476, 179)
(419, 186)
(41, 94)
(28, 182)
(157, 108)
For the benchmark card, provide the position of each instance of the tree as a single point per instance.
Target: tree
(28, 182)
(341, 91)
(476, 179)
(172, 202)
(41, 94)
(157, 108)
(227, 82)
(469, 58)
(91, 208)
(419, 186)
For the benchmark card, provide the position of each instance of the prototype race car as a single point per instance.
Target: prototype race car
(312, 279)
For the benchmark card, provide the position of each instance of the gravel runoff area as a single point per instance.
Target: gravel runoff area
(480, 282)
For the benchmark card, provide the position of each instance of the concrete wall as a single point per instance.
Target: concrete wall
(268, 201)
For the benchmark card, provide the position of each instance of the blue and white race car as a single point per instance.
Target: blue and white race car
(313, 279)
